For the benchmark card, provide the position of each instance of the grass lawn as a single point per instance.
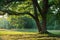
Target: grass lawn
(16, 35)
(57, 32)
(15, 32)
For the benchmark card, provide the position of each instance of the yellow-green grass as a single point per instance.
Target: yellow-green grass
(9, 32)
(11, 35)
(15, 32)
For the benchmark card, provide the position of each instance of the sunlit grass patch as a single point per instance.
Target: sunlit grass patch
(9, 32)
(15, 32)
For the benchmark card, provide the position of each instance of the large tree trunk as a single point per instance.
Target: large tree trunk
(44, 22)
(44, 14)
(44, 28)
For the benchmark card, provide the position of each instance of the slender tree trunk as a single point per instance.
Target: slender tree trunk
(36, 16)
(38, 25)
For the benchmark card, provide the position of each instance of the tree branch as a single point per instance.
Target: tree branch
(9, 1)
(35, 2)
(16, 13)
(35, 10)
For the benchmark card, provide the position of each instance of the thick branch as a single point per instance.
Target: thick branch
(45, 6)
(16, 13)
(35, 10)
(36, 16)
(35, 2)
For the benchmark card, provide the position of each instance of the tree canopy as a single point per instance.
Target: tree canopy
(42, 11)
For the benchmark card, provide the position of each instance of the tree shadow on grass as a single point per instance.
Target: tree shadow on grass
(53, 35)
(50, 34)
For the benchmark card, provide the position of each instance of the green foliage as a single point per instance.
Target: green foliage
(29, 22)
(16, 22)
(19, 22)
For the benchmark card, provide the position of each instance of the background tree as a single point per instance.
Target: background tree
(41, 9)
